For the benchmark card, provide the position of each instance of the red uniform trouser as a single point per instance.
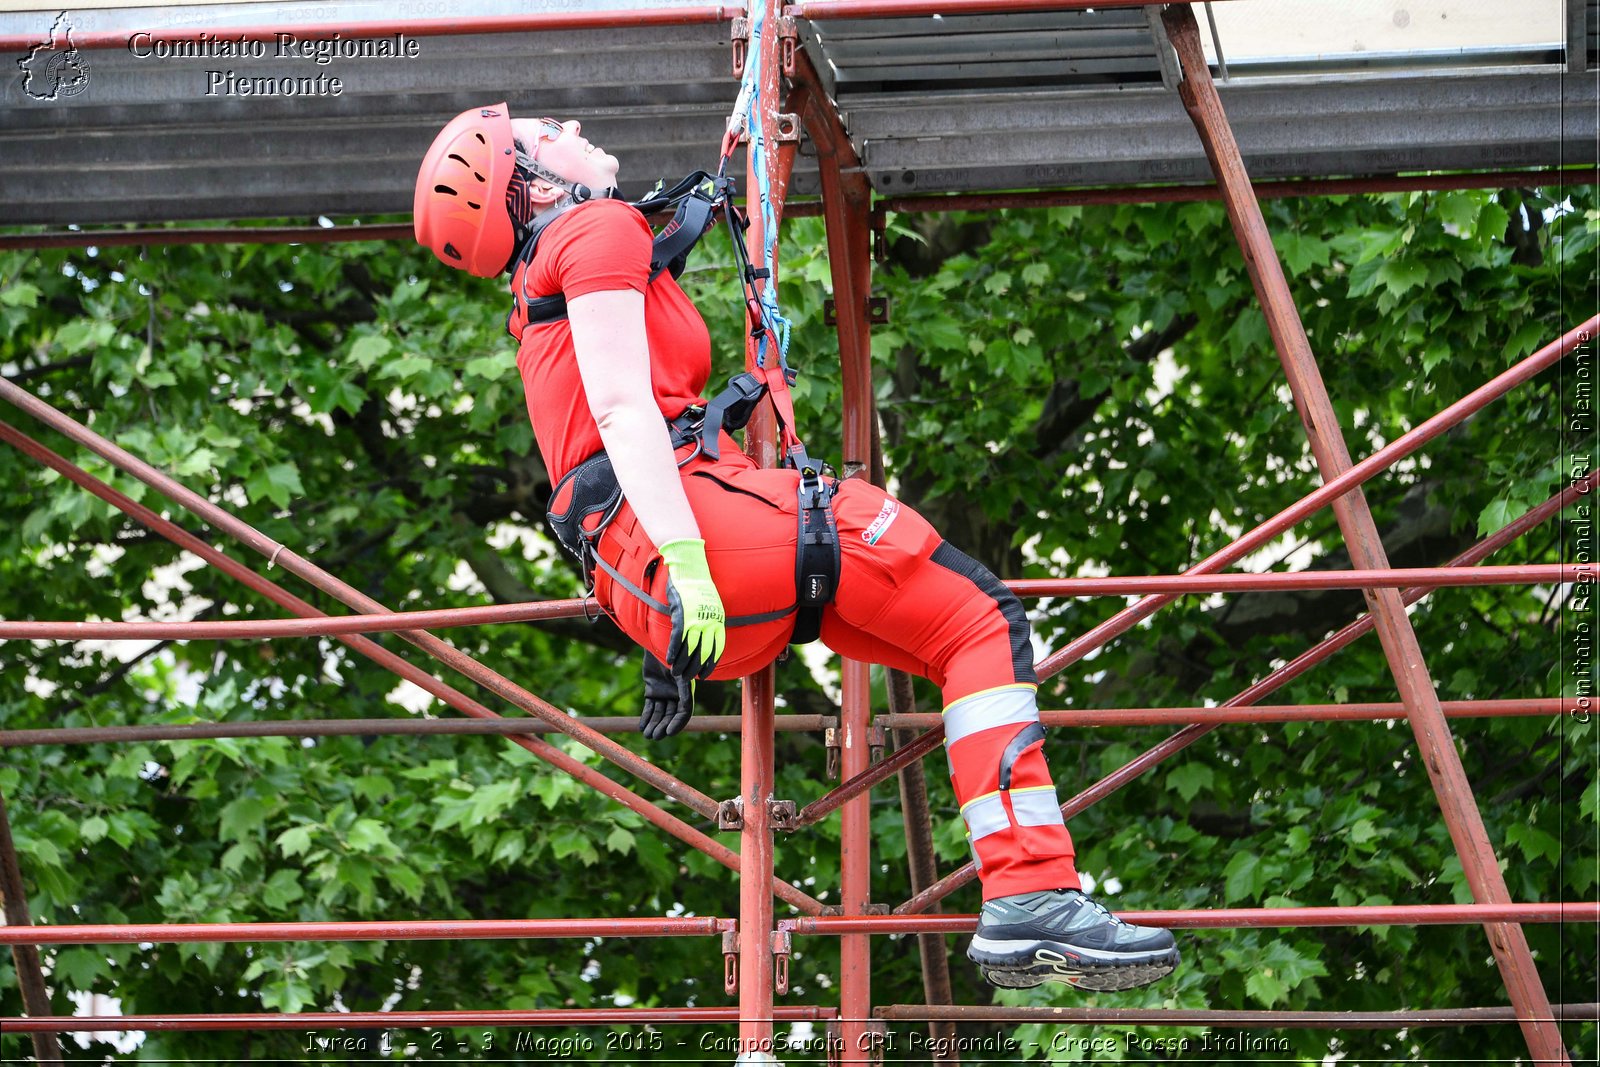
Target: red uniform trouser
(906, 599)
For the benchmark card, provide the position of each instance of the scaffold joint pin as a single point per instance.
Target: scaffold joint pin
(781, 943)
(730, 961)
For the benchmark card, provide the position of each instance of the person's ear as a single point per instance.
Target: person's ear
(544, 194)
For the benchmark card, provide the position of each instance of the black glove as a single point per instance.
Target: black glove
(668, 701)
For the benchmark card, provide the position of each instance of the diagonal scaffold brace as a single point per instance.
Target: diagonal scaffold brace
(363, 645)
(1199, 722)
(1434, 742)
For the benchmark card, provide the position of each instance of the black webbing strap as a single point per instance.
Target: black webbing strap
(655, 605)
(816, 555)
(730, 410)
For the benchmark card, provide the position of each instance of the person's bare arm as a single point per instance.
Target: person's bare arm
(614, 363)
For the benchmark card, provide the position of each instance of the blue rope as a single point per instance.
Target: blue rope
(746, 109)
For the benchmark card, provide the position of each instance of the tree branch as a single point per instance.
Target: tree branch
(29, 373)
(1066, 410)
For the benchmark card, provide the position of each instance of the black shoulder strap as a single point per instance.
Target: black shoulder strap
(695, 199)
(537, 308)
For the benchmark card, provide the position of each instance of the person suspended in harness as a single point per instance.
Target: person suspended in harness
(712, 564)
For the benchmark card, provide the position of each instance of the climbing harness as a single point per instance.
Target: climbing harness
(586, 500)
(693, 201)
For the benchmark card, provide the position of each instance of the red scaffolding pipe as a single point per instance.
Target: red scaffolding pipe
(1260, 713)
(567, 1017)
(1186, 194)
(381, 1020)
(1232, 918)
(756, 981)
(1419, 577)
(928, 202)
(228, 629)
(1082, 717)
(192, 731)
(457, 27)
(445, 618)
(395, 930)
(1280, 1020)
(820, 10)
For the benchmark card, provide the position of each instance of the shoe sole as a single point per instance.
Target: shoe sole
(1025, 964)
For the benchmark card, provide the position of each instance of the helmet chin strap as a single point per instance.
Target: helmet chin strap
(576, 190)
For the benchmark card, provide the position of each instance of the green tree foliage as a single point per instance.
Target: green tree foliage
(1064, 392)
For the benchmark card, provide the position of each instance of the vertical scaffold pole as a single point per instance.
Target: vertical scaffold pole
(30, 975)
(756, 979)
(846, 205)
(1400, 646)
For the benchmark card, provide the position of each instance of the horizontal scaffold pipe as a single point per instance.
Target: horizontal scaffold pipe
(926, 203)
(1221, 1017)
(1260, 713)
(197, 731)
(1398, 577)
(376, 28)
(421, 930)
(328, 625)
(1186, 194)
(387, 1020)
(1133, 585)
(731, 724)
(820, 10)
(1587, 911)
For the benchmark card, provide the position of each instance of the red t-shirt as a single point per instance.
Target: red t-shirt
(597, 246)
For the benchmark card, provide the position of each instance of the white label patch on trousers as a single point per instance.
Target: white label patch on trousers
(880, 525)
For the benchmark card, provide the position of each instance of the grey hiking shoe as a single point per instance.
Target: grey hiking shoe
(1061, 935)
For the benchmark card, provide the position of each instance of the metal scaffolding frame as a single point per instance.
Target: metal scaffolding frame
(756, 946)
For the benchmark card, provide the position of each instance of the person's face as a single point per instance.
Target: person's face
(562, 148)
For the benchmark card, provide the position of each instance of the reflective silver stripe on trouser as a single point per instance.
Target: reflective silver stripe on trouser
(1037, 806)
(1013, 705)
(984, 816)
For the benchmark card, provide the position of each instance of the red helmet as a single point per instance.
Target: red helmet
(459, 209)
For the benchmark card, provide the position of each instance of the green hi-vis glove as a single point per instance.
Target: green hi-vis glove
(699, 627)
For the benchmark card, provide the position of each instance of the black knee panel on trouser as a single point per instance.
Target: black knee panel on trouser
(953, 559)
